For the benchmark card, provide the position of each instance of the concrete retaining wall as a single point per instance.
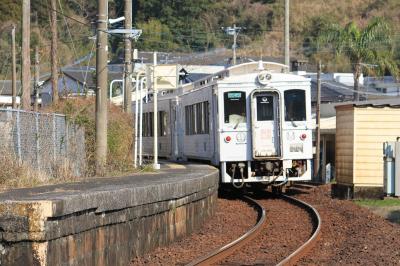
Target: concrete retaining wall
(103, 222)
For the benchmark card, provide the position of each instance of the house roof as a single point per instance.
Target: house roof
(86, 76)
(393, 102)
(6, 87)
(331, 91)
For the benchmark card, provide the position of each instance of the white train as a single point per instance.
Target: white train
(252, 120)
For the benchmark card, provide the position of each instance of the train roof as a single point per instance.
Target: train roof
(235, 74)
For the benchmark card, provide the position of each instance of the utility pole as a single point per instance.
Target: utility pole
(101, 87)
(234, 31)
(14, 70)
(155, 114)
(128, 59)
(317, 173)
(26, 57)
(36, 82)
(234, 46)
(287, 49)
(54, 37)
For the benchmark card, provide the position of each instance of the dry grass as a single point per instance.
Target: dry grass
(81, 111)
(18, 175)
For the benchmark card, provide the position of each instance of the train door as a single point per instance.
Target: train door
(265, 124)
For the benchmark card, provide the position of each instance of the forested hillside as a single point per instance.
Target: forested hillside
(191, 26)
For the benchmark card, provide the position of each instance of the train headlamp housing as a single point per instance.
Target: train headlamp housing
(264, 77)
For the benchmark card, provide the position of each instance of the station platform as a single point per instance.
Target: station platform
(105, 221)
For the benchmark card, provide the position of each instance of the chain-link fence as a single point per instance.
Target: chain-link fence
(44, 141)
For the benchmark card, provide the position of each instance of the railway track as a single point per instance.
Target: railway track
(227, 250)
(303, 249)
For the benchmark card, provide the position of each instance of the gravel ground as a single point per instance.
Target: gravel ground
(232, 219)
(287, 228)
(351, 235)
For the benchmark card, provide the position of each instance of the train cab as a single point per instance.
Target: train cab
(264, 127)
(251, 120)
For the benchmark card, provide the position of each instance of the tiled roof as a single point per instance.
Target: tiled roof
(6, 87)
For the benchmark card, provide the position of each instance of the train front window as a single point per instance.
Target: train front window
(265, 108)
(235, 107)
(295, 105)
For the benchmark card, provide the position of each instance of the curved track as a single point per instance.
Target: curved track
(303, 249)
(228, 249)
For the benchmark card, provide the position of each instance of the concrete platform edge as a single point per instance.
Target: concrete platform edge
(110, 228)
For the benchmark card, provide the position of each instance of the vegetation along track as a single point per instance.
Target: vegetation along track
(225, 251)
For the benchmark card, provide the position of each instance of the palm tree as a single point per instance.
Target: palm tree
(369, 46)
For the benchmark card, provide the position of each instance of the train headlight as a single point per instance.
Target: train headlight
(303, 136)
(264, 77)
(228, 139)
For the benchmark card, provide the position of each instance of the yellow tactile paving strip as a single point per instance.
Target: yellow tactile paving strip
(174, 166)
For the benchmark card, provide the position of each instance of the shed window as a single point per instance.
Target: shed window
(235, 107)
(295, 105)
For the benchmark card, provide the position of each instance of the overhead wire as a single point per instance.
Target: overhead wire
(358, 91)
(88, 63)
(217, 35)
(70, 36)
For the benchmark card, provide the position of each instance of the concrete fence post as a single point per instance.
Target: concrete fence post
(19, 137)
(66, 137)
(37, 140)
(54, 139)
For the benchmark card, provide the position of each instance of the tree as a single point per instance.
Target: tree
(364, 47)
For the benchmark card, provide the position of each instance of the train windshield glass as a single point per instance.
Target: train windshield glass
(265, 108)
(295, 105)
(235, 107)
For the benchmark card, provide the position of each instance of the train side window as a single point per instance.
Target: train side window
(197, 119)
(199, 116)
(295, 105)
(162, 121)
(148, 124)
(234, 107)
(206, 119)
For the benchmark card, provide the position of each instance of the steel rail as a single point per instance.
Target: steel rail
(228, 249)
(303, 249)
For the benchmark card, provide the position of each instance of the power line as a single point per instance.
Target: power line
(64, 15)
(359, 91)
(70, 36)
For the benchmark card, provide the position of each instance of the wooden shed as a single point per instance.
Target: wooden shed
(361, 130)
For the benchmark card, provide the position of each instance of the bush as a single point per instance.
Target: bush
(119, 136)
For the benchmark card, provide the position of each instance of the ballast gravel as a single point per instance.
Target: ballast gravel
(231, 220)
(351, 235)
